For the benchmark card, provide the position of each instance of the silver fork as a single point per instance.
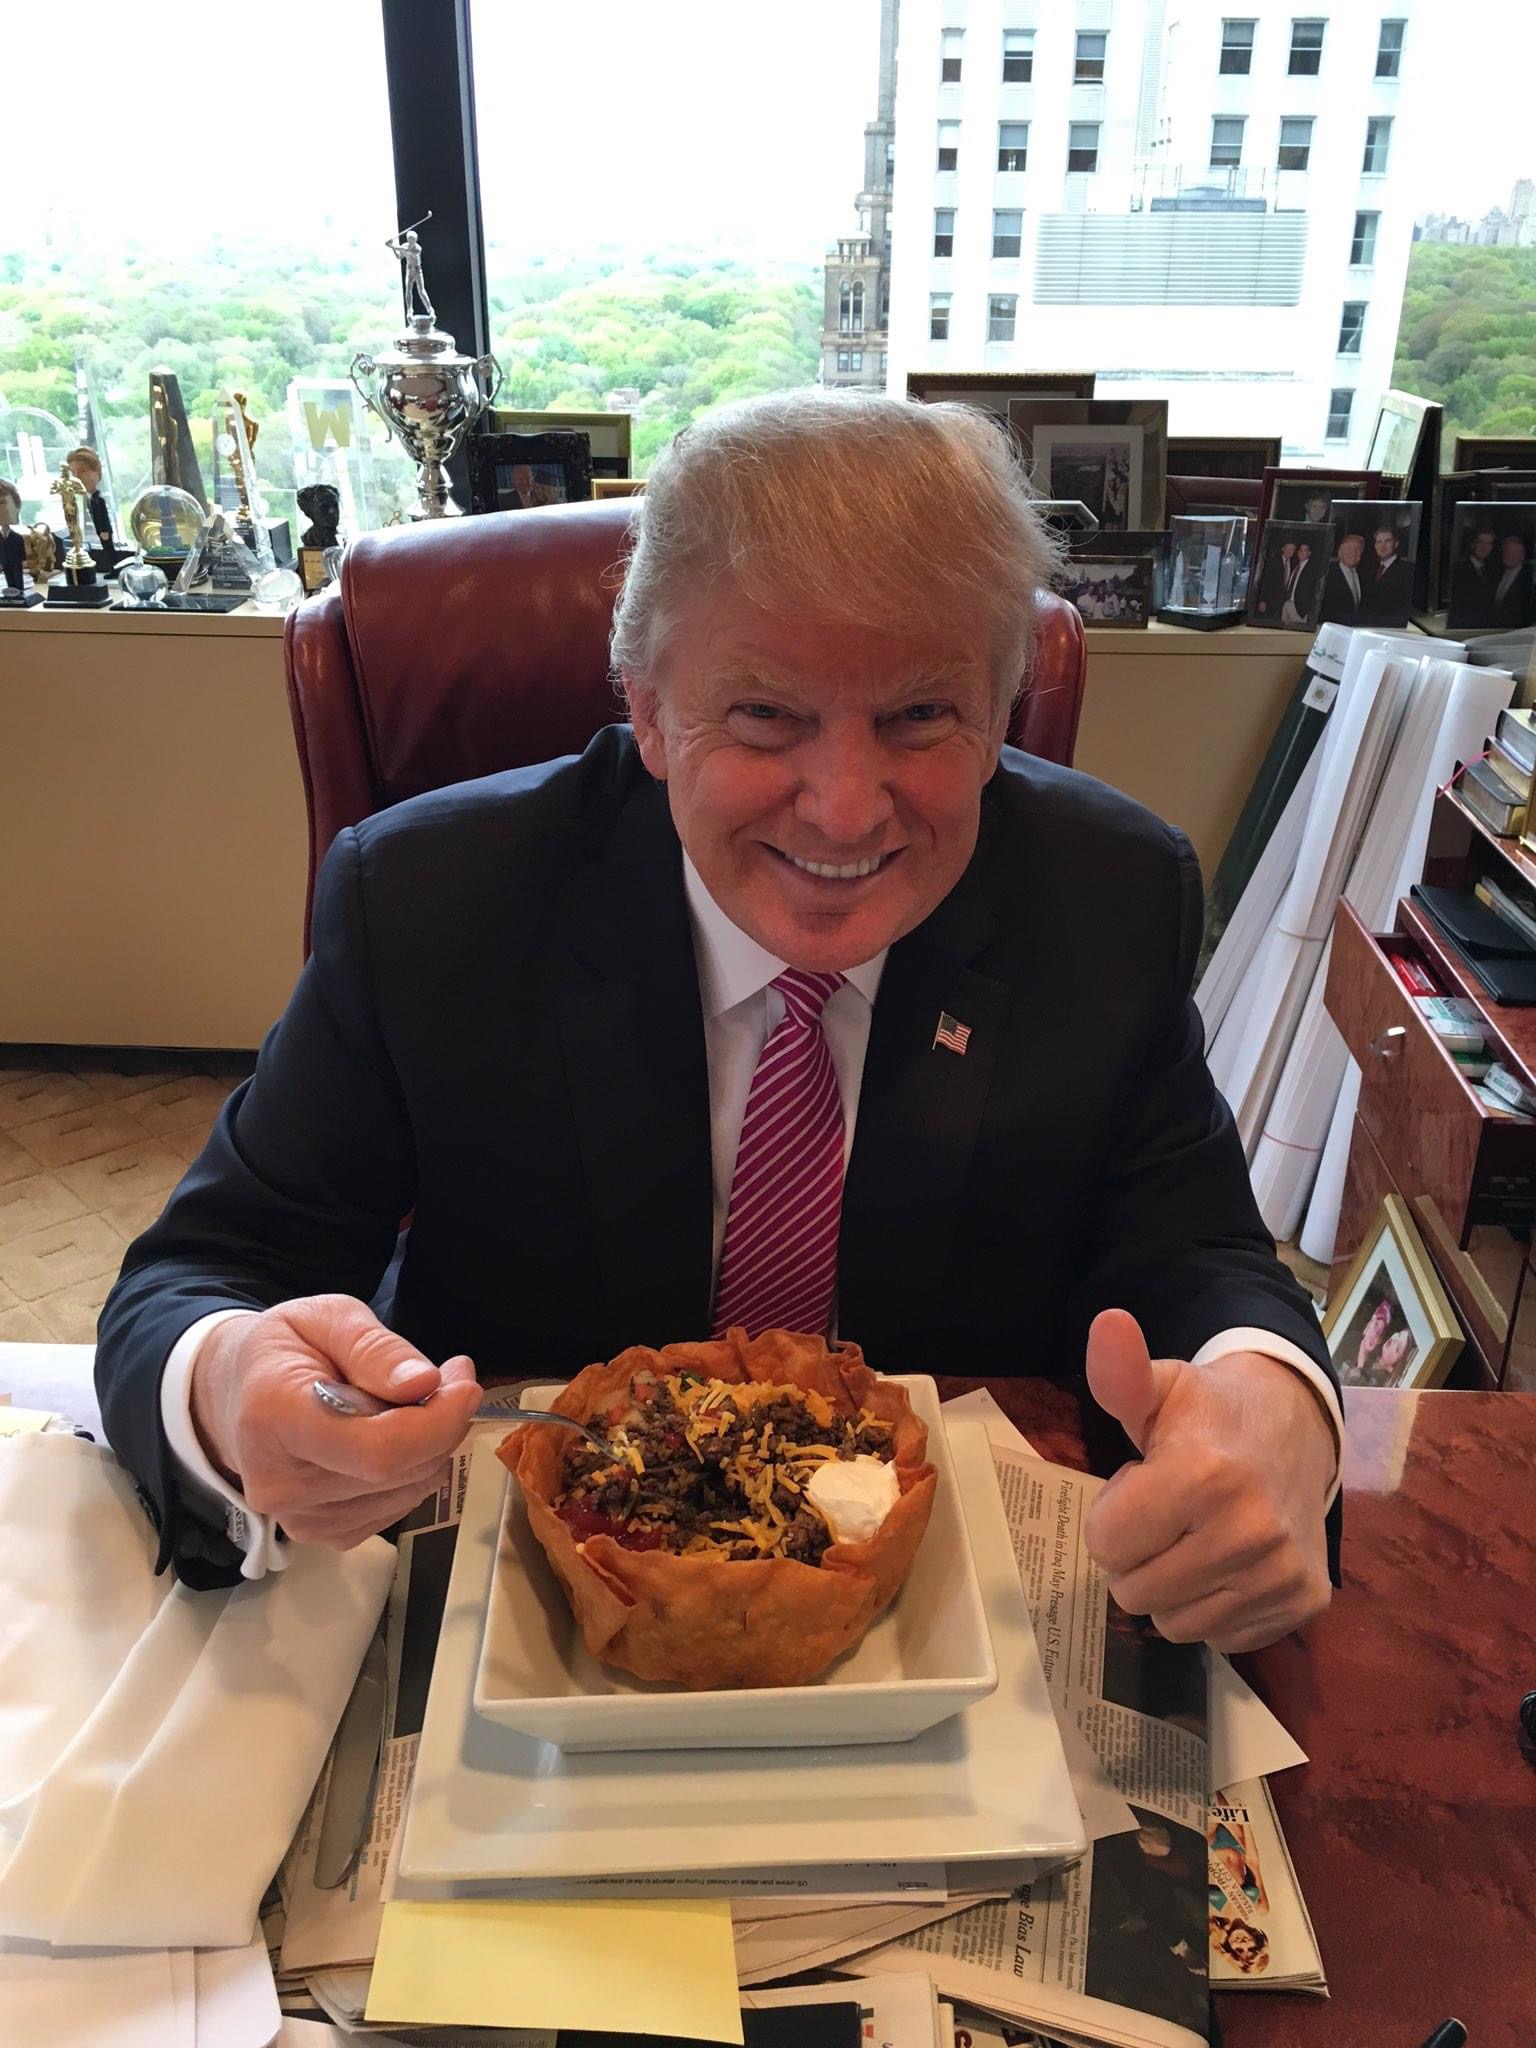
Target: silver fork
(352, 1401)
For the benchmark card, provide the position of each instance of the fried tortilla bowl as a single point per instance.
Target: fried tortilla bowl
(703, 1622)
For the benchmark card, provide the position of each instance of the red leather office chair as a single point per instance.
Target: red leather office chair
(456, 648)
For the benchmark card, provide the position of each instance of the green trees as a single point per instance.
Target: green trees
(1468, 336)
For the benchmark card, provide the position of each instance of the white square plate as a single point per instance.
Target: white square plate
(989, 1784)
(926, 1657)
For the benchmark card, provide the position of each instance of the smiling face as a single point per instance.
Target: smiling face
(1385, 543)
(825, 780)
(1351, 550)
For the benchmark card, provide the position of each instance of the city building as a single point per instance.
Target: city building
(1498, 228)
(856, 313)
(1193, 198)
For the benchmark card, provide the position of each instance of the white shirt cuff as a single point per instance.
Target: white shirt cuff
(1281, 1349)
(209, 1494)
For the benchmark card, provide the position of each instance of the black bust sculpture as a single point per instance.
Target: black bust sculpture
(321, 505)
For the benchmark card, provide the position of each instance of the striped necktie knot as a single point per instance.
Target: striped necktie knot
(806, 995)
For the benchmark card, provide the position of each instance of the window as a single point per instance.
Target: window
(951, 49)
(1012, 145)
(1237, 48)
(1389, 51)
(857, 296)
(1362, 247)
(1378, 139)
(949, 145)
(1351, 327)
(1295, 145)
(938, 316)
(1339, 405)
(885, 299)
(849, 360)
(1226, 140)
(1083, 146)
(885, 361)
(1306, 48)
(943, 231)
(1007, 231)
(1089, 68)
(1018, 56)
(1002, 313)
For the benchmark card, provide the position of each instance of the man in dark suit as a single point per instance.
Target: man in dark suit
(1301, 595)
(1512, 590)
(1342, 586)
(1275, 578)
(1473, 582)
(1387, 589)
(542, 1009)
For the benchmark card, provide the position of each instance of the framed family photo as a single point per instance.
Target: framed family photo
(608, 433)
(520, 472)
(1110, 453)
(1110, 590)
(1490, 584)
(1484, 451)
(1457, 489)
(1308, 494)
(1285, 587)
(1392, 1324)
(1375, 553)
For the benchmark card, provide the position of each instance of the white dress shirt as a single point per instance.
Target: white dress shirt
(740, 1010)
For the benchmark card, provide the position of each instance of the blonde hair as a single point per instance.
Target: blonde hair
(844, 508)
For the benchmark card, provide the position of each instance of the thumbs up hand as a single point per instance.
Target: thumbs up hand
(1217, 1533)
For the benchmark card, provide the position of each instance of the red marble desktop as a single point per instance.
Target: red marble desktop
(1413, 1827)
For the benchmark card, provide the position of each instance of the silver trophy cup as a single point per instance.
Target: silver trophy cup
(426, 393)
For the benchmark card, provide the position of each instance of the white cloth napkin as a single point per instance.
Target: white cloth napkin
(157, 1746)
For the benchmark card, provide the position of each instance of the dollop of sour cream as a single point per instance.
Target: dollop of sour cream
(855, 1495)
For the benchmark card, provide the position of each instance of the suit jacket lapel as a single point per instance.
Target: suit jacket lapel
(632, 1043)
(920, 1111)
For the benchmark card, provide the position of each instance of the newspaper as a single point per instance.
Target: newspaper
(895, 2012)
(1114, 1947)
(1261, 1932)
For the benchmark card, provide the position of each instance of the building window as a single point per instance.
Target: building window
(1389, 51)
(1083, 146)
(1089, 68)
(1018, 56)
(1362, 247)
(951, 49)
(1012, 145)
(943, 231)
(885, 361)
(858, 306)
(949, 145)
(849, 360)
(1351, 327)
(1295, 145)
(1002, 313)
(885, 299)
(1237, 47)
(1007, 231)
(1306, 48)
(1378, 139)
(1339, 404)
(845, 308)
(938, 316)
(1226, 141)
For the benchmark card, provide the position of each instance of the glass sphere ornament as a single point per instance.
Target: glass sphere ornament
(277, 590)
(165, 520)
(143, 586)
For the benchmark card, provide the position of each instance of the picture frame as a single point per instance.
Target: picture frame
(992, 390)
(1069, 517)
(1286, 492)
(1110, 453)
(1401, 420)
(1290, 567)
(608, 433)
(618, 486)
(1371, 583)
(525, 472)
(1391, 1323)
(1109, 590)
(1491, 581)
(1246, 458)
(1498, 451)
(1458, 488)
(1211, 497)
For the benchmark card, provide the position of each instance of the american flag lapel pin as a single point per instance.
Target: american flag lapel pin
(951, 1033)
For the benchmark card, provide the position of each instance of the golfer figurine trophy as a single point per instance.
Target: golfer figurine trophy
(426, 393)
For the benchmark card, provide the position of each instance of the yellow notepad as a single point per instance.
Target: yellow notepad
(665, 1966)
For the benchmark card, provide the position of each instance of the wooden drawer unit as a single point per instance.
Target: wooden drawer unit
(1433, 1134)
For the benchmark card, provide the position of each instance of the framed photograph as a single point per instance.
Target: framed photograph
(1221, 455)
(519, 472)
(1398, 436)
(1110, 453)
(607, 433)
(1490, 585)
(1375, 553)
(1307, 494)
(1480, 451)
(1110, 590)
(1285, 588)
(1391, 1323)
(1212, 497)
(992, 390)
(618, 486)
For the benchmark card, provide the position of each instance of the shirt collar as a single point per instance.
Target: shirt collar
(733, 966)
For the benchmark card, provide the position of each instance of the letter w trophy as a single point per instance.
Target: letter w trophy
(426, 393)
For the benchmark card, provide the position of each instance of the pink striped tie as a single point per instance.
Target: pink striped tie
(778, 1268)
